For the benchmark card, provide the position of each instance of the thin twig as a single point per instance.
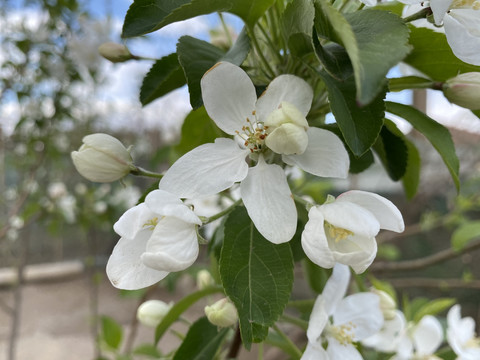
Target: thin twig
(235, 346)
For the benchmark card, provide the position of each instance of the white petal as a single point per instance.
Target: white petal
(166, 204)
(314, 240)
(268, 199)
(355, 251)
(125, 268)
(339, 351)
(325, 155)
(318, 321)
(383, 209)
(315, 352)
(229, 96)
(388, 338)
(173, 246)
(459, 330)
(206, 170)
(289, 88)
(363, 311)
(427, 336)
(133, 220)
(336, 287)
(439, 9)
(463, 34)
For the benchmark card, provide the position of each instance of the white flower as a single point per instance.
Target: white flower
(354, 318)
(102, 158)
(344, 230)
(222, 313)
(157, 237)
(388, 338)
(204, 279)
(151, 312)
(230, 99)
(420, 341)
(461, 335)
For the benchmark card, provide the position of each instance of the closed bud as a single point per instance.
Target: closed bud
(223, 313)
(152, 312)
(287, 130)
(102, 158)
(464, 90)
(115, 52)
(204, 279)
(387, 304)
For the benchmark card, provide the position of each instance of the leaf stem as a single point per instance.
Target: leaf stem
(224, 212)
(259, 51)
(225, 28)
(422, 14)
(138, 171)
(295, 321)
(288, 342)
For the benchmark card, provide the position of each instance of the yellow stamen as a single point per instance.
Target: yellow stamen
(342, 333)
(337, 233)
(151, 223)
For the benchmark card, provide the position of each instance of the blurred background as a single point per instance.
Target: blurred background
(56, 228)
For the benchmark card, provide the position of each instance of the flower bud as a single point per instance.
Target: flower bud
(115, 52)
(287, 130)
(464, 90)
(102, 158)
(152, 312)
(204, 279)
(223, 313)
(387, 304)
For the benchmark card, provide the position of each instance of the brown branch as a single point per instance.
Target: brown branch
(441, 284)
(235, 346)
(424, 262)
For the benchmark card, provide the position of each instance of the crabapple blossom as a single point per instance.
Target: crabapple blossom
(343, 230)
(461, 335)
(279, 115)
(157, 237)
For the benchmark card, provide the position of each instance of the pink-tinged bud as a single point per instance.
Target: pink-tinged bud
(115, 52)
(464, 90)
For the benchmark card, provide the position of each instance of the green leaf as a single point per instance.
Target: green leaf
(464, 234)
(433, 308)
(375, 41)
(197, 129)
(360, 126)
(392, 150)
(411, 178)
(433, 56)
(334, 59)
(164, 76)
(202, 341)
(384, 286)
(257, 276)
(147, 350)
(179, 308)
(112, 332)
(297, 25)
(437, 134)
(145, 16)
(239, 50)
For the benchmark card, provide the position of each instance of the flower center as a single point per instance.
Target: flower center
(466, 4)
(150, 224)
(342, 333)
(254, 136)
(337, 233)
(473, 342)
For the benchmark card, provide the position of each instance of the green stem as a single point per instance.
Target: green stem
(294, 349)
(413, 82)
(422, 14)
(259, 51)
(225, 28)
(295, 321)
(302, 201)
(224, 212)
(138, 171)
(270, 43)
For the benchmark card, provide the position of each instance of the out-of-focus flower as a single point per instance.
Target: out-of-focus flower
(222, 313)
(56, 190)
(461, 335)
(102, 158)
(343, 230)
(115, 52)
(151, 312)
(388, 338)
(204, 279)
(464, 90)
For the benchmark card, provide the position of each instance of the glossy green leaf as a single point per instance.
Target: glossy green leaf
(392, 150)
(297, 25)
(433, 308)
(334, 59)
(464, 234)
(145, 16)
(432, 55)
(360, 126)
(179, 308)
(202, 341)
(112, 332)
(239, 50)
(411, 178)
(164, 76)
(257, 276)
(437, 134)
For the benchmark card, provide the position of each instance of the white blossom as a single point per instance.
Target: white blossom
(151, 312)
(461, 335)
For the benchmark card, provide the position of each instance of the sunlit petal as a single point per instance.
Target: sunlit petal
(166, 204)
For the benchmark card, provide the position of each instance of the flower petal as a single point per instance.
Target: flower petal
(336, 287)
(206, 170)
(125, 268)
(427, 336)
(336, 350)
(355, 251)
(363, 311)
(315, 352)
(325, 155)
(388, 338)
(268, 199)
(173, 246)
(289, 88)
(463, 35)
(133, 220)
(166, 204)
(229, 96)
(439, 9)
(384, 210)
(318, 321)
(314, 240)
